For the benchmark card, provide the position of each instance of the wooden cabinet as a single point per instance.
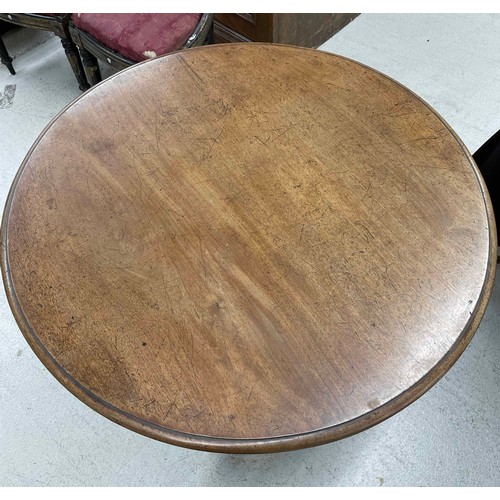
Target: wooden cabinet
(306, 30)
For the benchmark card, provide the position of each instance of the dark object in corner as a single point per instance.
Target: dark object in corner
(5, 58)
(487, 158)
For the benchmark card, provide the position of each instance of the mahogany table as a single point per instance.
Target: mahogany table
(248, 248)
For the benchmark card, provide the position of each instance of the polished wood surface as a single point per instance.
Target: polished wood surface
(253, 248)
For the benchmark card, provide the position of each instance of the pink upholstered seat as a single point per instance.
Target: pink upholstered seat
(139, 36)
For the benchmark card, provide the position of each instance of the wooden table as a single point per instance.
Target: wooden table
(248, 248)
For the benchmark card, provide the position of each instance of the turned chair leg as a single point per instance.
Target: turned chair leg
(76, 64)
(91, 66)
(6, 59)
(211, 36)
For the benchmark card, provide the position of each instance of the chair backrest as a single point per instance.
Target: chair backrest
(201, 32)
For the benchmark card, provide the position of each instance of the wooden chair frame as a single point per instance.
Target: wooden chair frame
(59, 26)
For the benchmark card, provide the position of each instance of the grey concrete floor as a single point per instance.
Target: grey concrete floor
(449, 437)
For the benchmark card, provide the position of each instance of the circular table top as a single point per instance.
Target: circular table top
(248, 248)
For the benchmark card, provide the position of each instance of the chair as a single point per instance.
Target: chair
(125, 39)
(58, 24)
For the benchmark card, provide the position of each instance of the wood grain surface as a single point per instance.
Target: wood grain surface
(248, 248)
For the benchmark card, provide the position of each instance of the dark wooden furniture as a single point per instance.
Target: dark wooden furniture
(254, 248)
(487, 158)
(5, 58)
(92, 50)
(306, 30)
(58, 24)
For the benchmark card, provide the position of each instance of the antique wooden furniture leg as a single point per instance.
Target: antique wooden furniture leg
(91, 65)
(6, 59)
(76, 64)
(58, 24)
